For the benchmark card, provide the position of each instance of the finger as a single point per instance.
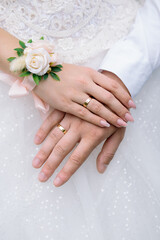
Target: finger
(85, 114)
(117, 90)
(108, 150)
(111, 102)
(55, 135)
(106, 113)
(51, 121)
(77, 158)
(60, 151)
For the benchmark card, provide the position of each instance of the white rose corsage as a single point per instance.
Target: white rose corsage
(37, 59)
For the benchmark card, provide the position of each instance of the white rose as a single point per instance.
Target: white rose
(37, 61)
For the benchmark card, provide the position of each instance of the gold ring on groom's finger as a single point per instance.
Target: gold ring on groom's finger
(85, 104)
(62, 128)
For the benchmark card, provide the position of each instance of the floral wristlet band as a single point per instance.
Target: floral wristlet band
(35, 61)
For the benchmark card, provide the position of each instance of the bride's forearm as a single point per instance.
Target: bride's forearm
(73, 88)
(7, 44)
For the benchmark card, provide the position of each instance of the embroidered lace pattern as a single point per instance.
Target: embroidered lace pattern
(79, 28)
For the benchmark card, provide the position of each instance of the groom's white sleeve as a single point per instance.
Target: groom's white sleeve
(134, 58)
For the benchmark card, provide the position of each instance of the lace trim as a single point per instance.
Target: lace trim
(79, 28)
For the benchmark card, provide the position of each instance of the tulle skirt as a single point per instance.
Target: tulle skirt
(121, 204)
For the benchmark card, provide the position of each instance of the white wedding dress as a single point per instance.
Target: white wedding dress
(121, 204)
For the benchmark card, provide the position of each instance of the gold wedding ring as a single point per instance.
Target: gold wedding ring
(62, 128)
(85, 104)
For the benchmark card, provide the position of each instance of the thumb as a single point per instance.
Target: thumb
(108, 150)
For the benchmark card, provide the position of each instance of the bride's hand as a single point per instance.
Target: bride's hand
(58, 145)
(77, 84)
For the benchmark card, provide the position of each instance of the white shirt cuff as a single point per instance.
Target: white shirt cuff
(129, 64)
(134, 58)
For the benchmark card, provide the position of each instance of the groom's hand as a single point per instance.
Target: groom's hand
(58, 145)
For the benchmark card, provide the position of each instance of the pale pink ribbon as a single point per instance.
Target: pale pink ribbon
(23, 87)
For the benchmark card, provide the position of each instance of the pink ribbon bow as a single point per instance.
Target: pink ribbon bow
(21, 88)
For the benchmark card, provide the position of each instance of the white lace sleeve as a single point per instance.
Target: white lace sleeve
(80, 29)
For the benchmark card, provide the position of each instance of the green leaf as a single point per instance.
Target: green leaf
(29, 41)
(59, 65)
(56, 69)
(42, 38)
(11, 59)
(22, 44)
(45, 76)
(25, 74)
(54, 76)
(36, 78)
(19, 51)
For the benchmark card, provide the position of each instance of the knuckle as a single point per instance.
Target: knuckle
(82, 80)
(48, 167)
(93, 133)
(67, 98)
(55, 114)
(82, 112)
(121, 111)
(114, 86)
(96, 134)
(89, 70)
(109, 96)
(97, 107)
(42, 155)
(50, 121)
(108, 157)
(53, 136)
(75, 159)
(59, 150)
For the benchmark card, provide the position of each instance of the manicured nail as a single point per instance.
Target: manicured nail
(42, 176)
(37, 139)
(104, 123)
(103, 168)
(121, 123)
(57, 181)
(36, 162)
(131, 104)
(129, 117)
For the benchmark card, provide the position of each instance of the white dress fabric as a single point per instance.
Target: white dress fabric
(121, 204)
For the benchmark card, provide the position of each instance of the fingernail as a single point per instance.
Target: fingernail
(57, 181)
(129, 117)
(121, 123)
(131, 104)
(37, 139)
(36, 162)
(103, 168)
(104, 123)
(42, 176)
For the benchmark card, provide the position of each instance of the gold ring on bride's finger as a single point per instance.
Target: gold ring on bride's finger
(62, 128)
(85, 104)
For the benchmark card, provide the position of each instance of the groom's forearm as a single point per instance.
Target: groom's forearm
(7, 44)
(134, 58)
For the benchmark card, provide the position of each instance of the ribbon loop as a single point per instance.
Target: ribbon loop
(22, 88)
